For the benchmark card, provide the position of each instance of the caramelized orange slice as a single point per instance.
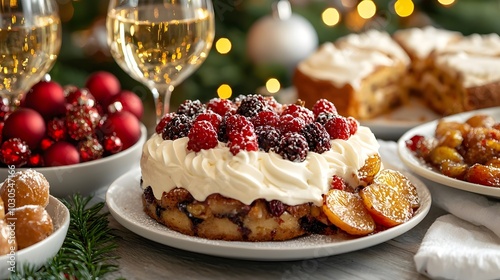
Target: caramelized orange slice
(370, 169)
(387, 205)
(399, 182)
(347, 211)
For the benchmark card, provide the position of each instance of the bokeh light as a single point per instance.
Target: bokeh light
(446, 2)
(223, 45)
(367, 9)
(330, 16)
(273, 85)
(404, 8)
(224, 91)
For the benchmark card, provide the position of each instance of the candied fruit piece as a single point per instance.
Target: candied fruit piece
(414, 142)
(399, 182)
(484, 175)
(444, 126)
(442, 153)
(453, 169)
(7, 243)
(481, 120)
(370, 169)
(388, 206)
(347, 211)
(33, 224)
(30, 188)
(495, 162)
(452, 139)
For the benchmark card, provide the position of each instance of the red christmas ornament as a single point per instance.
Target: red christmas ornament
(90, 149)
(56, 129)
(14, 152)
(61, 153)
(5, 109)
(36, 160)
(103, 86)
(130, 102)
(47, 98)
(80, 96)
(112, 144)
(125, 126)
(26, 124)
(81, 122)
(46, 143)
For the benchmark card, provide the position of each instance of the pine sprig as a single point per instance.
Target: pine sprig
(87, 251)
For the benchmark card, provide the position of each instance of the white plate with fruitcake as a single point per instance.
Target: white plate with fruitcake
(461, 151)
(124, 200)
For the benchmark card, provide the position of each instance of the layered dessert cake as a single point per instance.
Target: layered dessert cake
(450, 72)
(256, 170)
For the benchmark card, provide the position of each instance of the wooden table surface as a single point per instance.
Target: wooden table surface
(141, 258)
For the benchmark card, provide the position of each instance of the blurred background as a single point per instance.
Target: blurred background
(254, 51)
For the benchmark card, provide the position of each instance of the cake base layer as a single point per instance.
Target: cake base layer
(222, 218)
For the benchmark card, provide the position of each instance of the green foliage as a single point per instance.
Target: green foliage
(87, 251)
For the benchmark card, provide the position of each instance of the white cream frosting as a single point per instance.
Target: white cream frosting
(476, 44)
(247, 176)
(422, 41)
(374, 40)
(343, 66)
(475, 70)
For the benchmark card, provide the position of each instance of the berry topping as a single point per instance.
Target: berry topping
(338, 183)
(323, 106)
(353, 125)
(317, 137)
(237, 123)
(338, 128)
(191, 108)
(149, 195)
(251, 105)
(268, 137)
(221, 106)
(160, 127)
(177, 128)
(293, 147)
(289, 123)
(244, 139)
(15, 152)
(211, 117)
(202, 136)
(299, 112)
(323, 117)
(263, 118)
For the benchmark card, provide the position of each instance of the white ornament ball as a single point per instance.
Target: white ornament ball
(272, 40)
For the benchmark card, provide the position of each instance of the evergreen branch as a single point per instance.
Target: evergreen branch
(87, 251)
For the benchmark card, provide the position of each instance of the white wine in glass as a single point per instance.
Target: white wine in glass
(30, 40)
(160, 42)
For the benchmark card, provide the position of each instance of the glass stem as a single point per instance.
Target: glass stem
(162, 100)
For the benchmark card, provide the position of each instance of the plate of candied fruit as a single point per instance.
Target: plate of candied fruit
(460, 151)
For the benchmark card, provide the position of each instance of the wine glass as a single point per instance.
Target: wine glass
(30, 40)
(160, 42)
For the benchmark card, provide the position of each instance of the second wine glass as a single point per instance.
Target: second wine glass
(160, 42)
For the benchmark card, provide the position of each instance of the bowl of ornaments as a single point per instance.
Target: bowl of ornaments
(80, 138)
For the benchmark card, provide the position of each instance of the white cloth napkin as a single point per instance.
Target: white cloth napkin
(464, 244)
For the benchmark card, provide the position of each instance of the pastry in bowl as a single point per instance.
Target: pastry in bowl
(256, 170)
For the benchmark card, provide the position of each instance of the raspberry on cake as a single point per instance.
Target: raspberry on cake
(252, 179)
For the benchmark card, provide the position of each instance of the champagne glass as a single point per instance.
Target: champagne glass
(30, 40)
(160, 42)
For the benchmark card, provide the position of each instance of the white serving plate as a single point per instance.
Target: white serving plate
(416, 165)
(123, 199)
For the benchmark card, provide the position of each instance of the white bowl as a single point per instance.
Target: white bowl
(88, 177)
(38, 254)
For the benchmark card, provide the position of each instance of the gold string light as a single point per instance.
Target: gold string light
(404, 8)
(366, 9)
(224, 91)
(273, 85)
(223, 46)
(446, 2)
(330, 16)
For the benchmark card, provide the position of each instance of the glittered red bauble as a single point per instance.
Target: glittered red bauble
(79, 96)
(130, 102)
(125, 126)
(26, 124)
(14, 152)
(90, 149)
(61, 153)
(103, 86)
(81, 122)
(47, 98)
